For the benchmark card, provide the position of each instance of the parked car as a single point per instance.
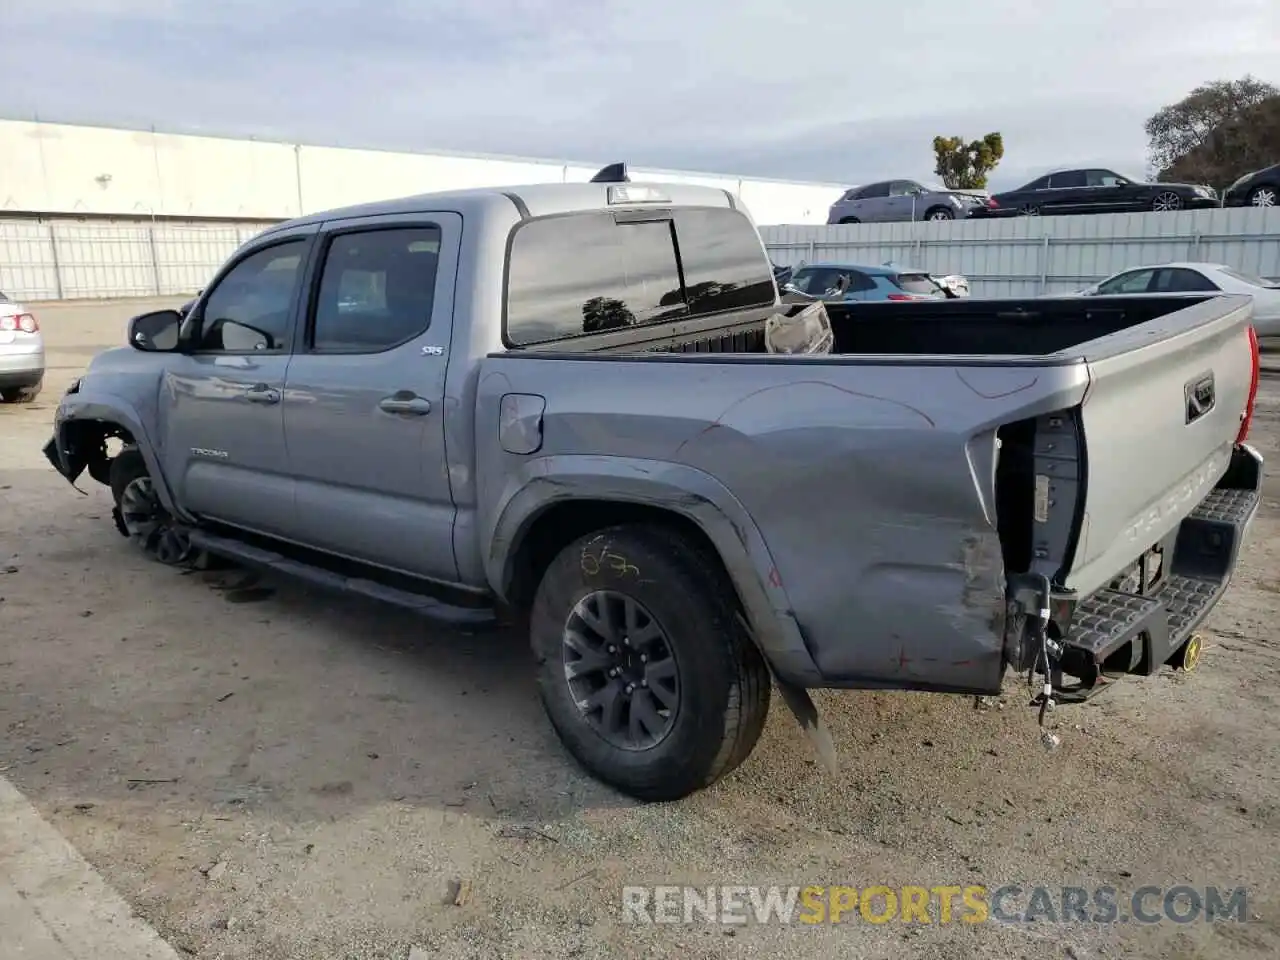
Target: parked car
(891, 200)
(21, 353)
(1165, 278)
(1258, 189)
(528, 429)
(842, 281)
(1095, 190)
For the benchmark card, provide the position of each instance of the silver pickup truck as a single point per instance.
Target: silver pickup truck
(553, 406)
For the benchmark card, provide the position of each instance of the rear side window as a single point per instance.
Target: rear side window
(1182, 280)
(918, 283)
(725, 267)
(377, 289)
(1068, 178)
(826, 281)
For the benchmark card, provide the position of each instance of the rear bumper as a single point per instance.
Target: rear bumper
(1114, 631)
(21, 368)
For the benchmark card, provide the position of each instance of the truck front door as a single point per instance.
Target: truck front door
(219, 409)
(365, 395)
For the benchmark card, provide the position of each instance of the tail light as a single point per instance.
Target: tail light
(24, 322)
(901, 296)
(991, 203)
(1246, 418)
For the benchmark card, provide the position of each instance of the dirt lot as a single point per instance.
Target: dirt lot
(303, 776)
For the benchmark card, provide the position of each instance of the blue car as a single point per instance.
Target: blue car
(843, 281)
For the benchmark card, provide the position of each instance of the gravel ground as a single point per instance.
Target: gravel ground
(302, 776)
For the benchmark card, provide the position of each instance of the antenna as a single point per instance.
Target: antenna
(613, 173)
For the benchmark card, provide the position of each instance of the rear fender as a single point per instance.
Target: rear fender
(685, 491)
(79, 409)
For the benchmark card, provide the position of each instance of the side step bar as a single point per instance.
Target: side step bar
(1203, 558)
(268, 560)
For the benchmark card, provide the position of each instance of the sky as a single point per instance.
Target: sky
(822, 90)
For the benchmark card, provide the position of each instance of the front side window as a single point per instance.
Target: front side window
(1136, 281)
(586, 273)
(377, 289)
(1104, 178)
(251, 306)
(902, 188)
(725, 266)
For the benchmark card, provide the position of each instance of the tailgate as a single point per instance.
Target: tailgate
(1161, 416)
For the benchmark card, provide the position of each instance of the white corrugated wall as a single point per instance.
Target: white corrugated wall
(1025, 256)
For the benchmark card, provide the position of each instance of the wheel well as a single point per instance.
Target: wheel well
(98, 442)
(562, 523)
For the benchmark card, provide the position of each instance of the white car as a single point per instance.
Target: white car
(1199, 278)
(21, 353)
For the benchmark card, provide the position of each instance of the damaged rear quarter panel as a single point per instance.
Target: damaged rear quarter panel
(871, 485)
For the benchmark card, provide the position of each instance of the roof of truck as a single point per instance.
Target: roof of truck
(537, 199)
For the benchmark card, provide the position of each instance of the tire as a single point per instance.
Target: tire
(1266, 195)
(718, 702)
(1166, 202)
(140, 516)
(25, 394)
(1030, 211)
(844, 220)
(939, 213)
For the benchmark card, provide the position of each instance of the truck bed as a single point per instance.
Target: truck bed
(945, 451)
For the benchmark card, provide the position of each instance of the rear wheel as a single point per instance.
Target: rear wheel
(21, 394)
(644, 668)
(141, 516)
(1264, 196)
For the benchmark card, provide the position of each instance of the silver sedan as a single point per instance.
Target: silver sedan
(21, 353)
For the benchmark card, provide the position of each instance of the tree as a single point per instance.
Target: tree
(1237, 146)
(964, 166)
(1211, 131)
(605, 313)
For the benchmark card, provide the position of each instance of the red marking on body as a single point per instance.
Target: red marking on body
(775, 578)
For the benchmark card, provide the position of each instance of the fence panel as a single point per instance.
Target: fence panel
(79, 259)
(28, 262)
(1022, 256)
(1026, 256)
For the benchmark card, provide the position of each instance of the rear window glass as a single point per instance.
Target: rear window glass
(916, 283)
(725, 267)
(1248, 278)
(585, 273)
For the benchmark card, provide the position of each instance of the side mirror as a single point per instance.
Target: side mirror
(155, 332)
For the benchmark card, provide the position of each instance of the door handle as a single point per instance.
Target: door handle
(405, 402)
(261, 393)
